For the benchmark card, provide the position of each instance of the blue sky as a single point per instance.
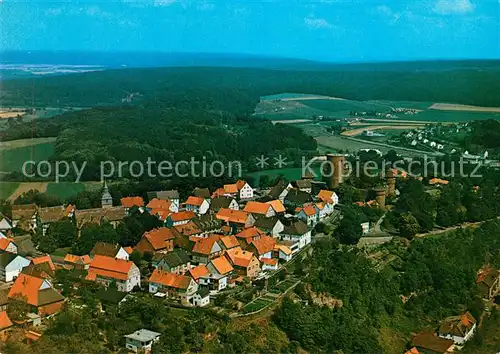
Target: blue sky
(330, 30)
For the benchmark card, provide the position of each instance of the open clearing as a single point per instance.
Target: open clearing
(5, 114)
(13, 159)
(25, 187)
(24, 142)
(460, 107)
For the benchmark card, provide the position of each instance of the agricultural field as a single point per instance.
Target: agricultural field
(12, 159)
(256, 305)
(7, 188)
(26, 187)
(301, 106)
(64, 190)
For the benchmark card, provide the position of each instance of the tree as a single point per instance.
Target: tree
(349, 231)
(18, 308)
(408, 226)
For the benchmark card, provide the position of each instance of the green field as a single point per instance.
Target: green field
(7, 188)
(13, 159)
(291, 174)
(256, 305)
(64, 190)
(343, 106)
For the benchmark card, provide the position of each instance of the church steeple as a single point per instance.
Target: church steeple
(106, 199)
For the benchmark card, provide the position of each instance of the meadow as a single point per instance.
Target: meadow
(12, 159)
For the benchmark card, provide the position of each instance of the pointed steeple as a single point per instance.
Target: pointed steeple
(106, 199)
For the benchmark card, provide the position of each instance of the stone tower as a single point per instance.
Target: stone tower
(380, 197)
(391, 183)
(335, 177)
(106, 199)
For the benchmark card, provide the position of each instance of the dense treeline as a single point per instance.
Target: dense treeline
(448, 82)
(414, 286)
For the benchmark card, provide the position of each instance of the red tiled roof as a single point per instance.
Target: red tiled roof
(5, 321)
(107, 265)
(235, 216)
(432, 342)
(199, 271)
(284, 248)
(188, 229)
(413, 351)
(256, 207)
(44, 259)
(231, 188)
(269, 261)
(277, 206)
(128, 249)
(196, 201)
(70, 258)
(158, 238)
(26, 286)
(182, 215)
(240, 184)
(250, 232)
(264, 244)
(222, 265)
(325, 196)
(32, 335)
(156, 203)
(229, 241)
(4, 243)
(309, 210)
(129, 202)
(171, 280)
(239, 257)
(205, 245)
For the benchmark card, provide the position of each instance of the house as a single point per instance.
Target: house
(8, 245)
(47, 216)
(178, 287)
(298, 233)
(112, 215)
(141, 340)
(208, 224)
(438, 181)
(157, 240)
(111, 297)
(179, 218)
(248, 235)
(428, 343)
(328, 197)
(229, 242)
(297, 198)
(278, 206)
(269, 263)
(130, 202)
(283, 251)
(488, 282)
(458, 328)
(202, 297)
(303, 185)
(259, 208)
(197, 205)
(262, 247)
(170, 195)
(5, 224)
(41, 267)
(237, 219)
(280, 190)
(77, 262)
(245, 263)
(220, 269)
(218, 203)
(202, 193)
(198, 272)
(189, 229)
(38, 293)
(309, 214)
(365, 227)
(24, 216)
(161, 208)
(206, 249)
(177, 261)
(109, 250)
(272, 226)
(11, 265)
(105, 270)
(5, 325)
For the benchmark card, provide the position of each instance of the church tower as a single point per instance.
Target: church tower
(106, 199)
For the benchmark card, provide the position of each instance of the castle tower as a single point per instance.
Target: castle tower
(106, 199)
(380, 197)
(335, 177)
(391, 183)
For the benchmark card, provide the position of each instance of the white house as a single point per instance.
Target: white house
(309, 214)
(105, 270)
(328, 197)
(299, 234)
(197, 205)
(365, 227)
(178, 287)
(141, 340)
(11, 265)
(5, 224)
(202, 297)
(244, 190)
(458, 328)
(283, 252)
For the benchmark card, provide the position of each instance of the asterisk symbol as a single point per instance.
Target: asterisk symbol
(280, 161)
(262, 161)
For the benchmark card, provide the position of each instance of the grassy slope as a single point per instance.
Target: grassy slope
(13, 159)
(7, 188)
